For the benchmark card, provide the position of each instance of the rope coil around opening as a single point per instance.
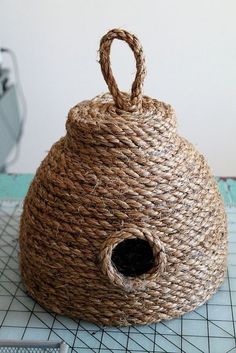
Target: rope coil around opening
(110, 179)
(141, 282)
(122, 101)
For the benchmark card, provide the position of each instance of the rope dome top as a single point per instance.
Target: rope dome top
(118, 118)
(122, 187)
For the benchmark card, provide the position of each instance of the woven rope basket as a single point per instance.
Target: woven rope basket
(123, 223)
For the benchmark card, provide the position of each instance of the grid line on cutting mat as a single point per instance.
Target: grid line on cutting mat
(209, 329)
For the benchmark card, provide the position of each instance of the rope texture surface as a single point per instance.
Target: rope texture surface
(122, 173)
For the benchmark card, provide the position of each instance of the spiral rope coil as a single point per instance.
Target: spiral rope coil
(122, 172)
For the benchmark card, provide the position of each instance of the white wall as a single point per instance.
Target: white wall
(190, 49)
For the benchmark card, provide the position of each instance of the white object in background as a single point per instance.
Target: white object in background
(1, 60)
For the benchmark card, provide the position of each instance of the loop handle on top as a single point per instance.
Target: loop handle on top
(122, 101)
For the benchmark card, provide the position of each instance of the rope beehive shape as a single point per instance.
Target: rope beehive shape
(122, 174)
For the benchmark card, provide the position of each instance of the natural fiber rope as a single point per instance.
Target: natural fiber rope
(118, 175)
(121, 101)
(130, 284)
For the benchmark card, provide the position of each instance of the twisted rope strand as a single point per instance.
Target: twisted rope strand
(122, 172)
(122, 101)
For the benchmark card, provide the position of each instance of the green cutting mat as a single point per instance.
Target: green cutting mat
(209, 329)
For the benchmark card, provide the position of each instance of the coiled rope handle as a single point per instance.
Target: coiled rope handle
(122, 101)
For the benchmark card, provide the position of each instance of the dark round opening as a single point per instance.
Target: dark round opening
(133, 257)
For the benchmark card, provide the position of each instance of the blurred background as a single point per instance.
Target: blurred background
(190, 49)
